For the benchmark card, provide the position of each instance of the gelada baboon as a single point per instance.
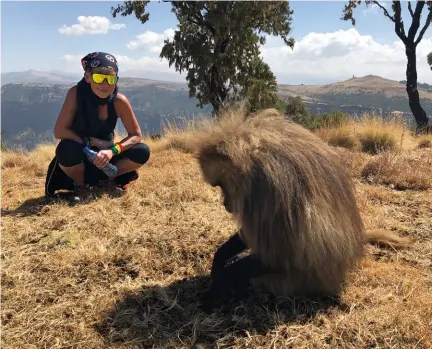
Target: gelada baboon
(294, 203)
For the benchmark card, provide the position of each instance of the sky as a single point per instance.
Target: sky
(55, 35)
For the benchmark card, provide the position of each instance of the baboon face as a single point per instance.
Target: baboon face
(216, 175)
(226, 198)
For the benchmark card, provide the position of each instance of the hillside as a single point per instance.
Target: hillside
(358, 95)
(29, 109)
(368, 84)
(127, 272)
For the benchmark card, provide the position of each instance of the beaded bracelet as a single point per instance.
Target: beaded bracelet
(117, 148)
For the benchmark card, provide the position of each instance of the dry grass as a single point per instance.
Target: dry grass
(376, 135)
(340, 136)
(127, 272)
(410, 170)
(424, 141)
(371, 134)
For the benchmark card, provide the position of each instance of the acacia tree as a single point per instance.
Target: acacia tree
(217, 43)
(410, 41)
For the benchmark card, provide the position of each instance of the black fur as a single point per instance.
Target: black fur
(233, 277)
(232, 247)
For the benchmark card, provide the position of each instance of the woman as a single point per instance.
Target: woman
(88, 118)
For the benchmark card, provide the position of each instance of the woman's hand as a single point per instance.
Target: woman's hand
(103, 158)
(100, 143)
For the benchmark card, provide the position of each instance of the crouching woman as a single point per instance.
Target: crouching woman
(88, 117)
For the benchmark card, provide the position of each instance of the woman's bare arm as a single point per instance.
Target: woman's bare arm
(125, 111)
(65, 118)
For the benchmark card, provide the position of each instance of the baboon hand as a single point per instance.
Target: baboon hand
(233, 246)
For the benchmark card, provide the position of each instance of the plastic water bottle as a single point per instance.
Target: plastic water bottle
(110, 170)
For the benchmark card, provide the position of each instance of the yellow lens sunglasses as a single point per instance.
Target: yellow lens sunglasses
(99, 78)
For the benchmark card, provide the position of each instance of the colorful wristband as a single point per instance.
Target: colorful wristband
(117, 149)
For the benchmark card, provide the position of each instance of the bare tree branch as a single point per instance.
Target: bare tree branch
(423, 30)
(385, 11)
(399, 27)
(415, 21)
(410, 9)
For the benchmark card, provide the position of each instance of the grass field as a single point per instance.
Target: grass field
(128, 272)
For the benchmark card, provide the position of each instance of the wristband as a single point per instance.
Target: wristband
(117, 148)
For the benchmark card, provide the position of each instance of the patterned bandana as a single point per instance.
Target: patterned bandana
(99, 59)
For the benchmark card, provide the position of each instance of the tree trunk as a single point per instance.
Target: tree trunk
(412, 91)
(218, 92)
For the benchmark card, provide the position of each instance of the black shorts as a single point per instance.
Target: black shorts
(70, 153)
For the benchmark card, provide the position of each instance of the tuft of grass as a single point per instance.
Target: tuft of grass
(339, 136)
(33, 162)
(401, 171)
(377, 135)
(424, 141)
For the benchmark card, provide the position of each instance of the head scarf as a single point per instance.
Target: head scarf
(99, 59)
(86, 122)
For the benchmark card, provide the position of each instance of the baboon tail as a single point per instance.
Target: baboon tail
(385, 238)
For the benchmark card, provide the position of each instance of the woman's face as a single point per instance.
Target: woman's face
(103, 89)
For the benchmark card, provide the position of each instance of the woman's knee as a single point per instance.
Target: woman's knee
(139, 153)
(69, 153)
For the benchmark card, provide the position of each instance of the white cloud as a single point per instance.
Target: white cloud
(317, 58)
(341, 54)
(90, 25)
(150, 41)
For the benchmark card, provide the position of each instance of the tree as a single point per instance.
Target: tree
(217, 43)
(429, 59)
(259, 87)
(410, 42)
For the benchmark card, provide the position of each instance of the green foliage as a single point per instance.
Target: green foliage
(376, 142)
(429, 59)
(296, 107)
(280, 105)
(297, 111)
(217, 43)
(334, 119)
(259, 87)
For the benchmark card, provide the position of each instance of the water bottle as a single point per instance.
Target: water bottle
(110, 170)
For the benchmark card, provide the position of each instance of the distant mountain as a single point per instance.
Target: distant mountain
(59, 77)
(423, 86)
(47, 77)
(357, 95)
(153, 75)
(29, 109)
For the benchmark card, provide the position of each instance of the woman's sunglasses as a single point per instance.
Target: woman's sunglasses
(99, 78)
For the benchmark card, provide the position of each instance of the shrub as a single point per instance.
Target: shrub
(377, 135)
(341, 136)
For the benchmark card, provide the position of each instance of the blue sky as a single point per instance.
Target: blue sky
(31, 40)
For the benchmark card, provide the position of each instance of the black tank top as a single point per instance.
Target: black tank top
(106, 127)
